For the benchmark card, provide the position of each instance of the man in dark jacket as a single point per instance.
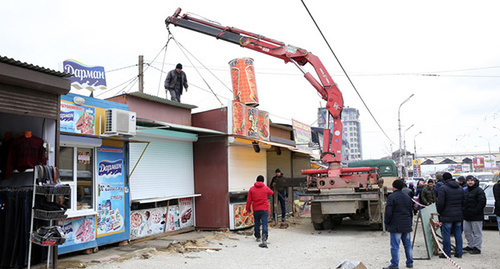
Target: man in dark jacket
(176, 79)
(399, 219)
(496, 194)
(428, 195)
(449, 206)
(475, 201)
(257, 198)
(282, 192)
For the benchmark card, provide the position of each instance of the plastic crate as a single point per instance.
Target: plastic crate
(53, 189)
(50, 215)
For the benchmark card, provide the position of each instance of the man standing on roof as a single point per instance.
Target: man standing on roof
(176, 79)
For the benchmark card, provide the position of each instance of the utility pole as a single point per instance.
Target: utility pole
(141, 73)
(399, 129)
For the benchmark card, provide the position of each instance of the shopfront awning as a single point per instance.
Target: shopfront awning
(279, 145)
(154, 124)
(160, 199)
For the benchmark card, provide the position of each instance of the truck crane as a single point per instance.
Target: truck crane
(337, 192)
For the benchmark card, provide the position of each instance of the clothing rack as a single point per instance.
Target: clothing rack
(46, 182)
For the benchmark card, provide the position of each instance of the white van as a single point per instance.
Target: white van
(481, 176)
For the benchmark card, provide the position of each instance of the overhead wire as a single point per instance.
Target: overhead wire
(342, 67)
(163, 63)
(183, 52)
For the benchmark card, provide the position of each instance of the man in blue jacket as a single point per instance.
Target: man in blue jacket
(449, 206)
(399, 219)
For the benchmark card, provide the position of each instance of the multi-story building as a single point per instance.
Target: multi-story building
(351, 144)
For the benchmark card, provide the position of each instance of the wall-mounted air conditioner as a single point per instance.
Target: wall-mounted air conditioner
(119, 122)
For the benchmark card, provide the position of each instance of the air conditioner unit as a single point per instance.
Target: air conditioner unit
(119, 122)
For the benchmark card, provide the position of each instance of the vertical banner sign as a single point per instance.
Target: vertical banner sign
(77, 119)
(85, 77)
(302, 134)
(239, 118)
(252, 120)
(110, 191)
(263, 125)
(478, 162)
(186, 212)
(417, 172)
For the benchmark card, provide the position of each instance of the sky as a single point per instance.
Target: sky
(446, 53)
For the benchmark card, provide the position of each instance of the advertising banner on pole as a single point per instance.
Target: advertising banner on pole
(110, 191)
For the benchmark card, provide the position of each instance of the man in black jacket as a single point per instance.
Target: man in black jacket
(475, 201)
(175, 81)
(399, 219)
(496, 194)
(449, 206)
(282, 192)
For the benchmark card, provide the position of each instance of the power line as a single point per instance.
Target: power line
(350, 81)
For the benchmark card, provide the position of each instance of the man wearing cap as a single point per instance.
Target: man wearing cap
(257, 198)
(176, 79)
(450, 201)
(399, 219)
(282, 191)
(475, 201)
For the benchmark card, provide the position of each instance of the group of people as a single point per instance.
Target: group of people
(460, 206)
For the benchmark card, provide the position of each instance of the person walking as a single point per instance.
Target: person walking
(496, 194)
(282, 192)
(475, 201)
(450, 201)
(176, 79)
(258, 199)
(428, 195)
(399, 219)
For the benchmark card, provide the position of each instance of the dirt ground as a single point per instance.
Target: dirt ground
(300, 246)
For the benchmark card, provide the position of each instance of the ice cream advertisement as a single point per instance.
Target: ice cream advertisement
(77, 119)
(78, 230)
(110, 191)
(147, 222)
(186, 214)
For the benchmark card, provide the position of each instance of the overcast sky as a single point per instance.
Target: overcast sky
(447, 53)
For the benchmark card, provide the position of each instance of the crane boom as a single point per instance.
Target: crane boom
(326, 87)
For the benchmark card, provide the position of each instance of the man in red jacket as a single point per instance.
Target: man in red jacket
(257, 197)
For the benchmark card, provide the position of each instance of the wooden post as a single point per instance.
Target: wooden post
(141, 73)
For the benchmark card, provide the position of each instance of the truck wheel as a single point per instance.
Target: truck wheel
(318, 226)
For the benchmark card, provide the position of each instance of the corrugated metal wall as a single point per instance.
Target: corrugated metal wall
(22, 101)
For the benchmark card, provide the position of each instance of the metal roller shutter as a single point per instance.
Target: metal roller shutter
(166, 169)
(244, 167)
(22, 101)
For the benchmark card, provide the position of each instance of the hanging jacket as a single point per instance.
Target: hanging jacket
(450, 202)
(257, 197)
(475, 201)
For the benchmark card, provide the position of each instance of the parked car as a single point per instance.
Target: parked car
(490, 219)
(481, 176)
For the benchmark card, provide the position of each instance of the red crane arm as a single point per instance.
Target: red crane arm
(326, 87)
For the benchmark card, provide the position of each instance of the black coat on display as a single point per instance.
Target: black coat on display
(475, 201)
(450, 202)
(399, 213)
